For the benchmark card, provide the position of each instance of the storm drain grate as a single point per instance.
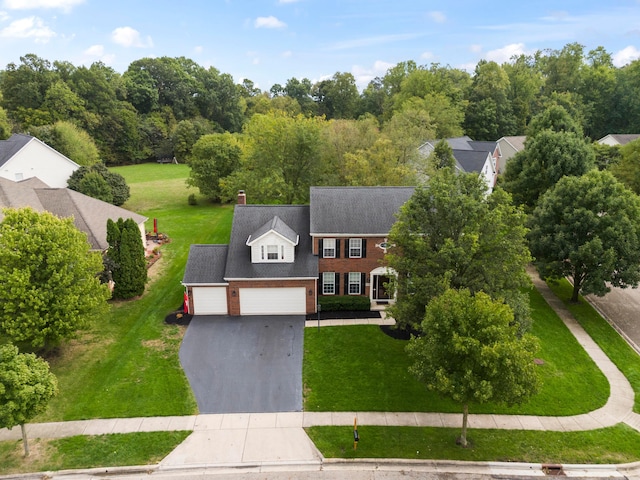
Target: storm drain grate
(553, 470)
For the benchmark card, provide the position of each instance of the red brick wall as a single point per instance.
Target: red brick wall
(234, 301)
(342, 265)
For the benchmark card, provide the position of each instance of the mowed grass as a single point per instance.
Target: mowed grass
(614, 445)
(359, 368)
(127, 364)
(613, 345)
(143, 448)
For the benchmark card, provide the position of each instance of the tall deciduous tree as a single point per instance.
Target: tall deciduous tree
(472, 353)
(49, 287)
(213, 157)
(588, 228)
(70, 140)
(26, 386)
(451, 234)
(546, 158)
(627, 168)
(126, 253)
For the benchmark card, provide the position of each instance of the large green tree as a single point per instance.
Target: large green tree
(213, 157)
(111, 187)
(627, 168)
(127, 258)
(452, 234)
(49, 287)
(588, 228)
(26, 386)
(70, 140)
(471, 352)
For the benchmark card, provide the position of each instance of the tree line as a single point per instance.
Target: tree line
(160, 107)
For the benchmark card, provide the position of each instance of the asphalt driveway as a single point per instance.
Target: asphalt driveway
(244, 364)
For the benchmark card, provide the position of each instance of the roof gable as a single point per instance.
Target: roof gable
(12, 145)
(277, 226)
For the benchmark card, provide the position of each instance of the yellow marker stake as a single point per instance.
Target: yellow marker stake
(355, 433)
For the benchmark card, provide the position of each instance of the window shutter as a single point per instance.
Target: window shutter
(346, 284)
(364, 248)
(346, 248)
(363, 281)
(320, 250)
(337, 284)
(337, 248)
(320, 285)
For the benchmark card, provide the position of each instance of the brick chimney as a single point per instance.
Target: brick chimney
(242, 197)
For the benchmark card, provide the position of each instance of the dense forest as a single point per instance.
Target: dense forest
(334, 134)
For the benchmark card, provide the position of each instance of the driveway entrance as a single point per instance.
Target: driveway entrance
(244, 364)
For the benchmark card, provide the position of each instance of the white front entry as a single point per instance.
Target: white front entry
(273, 301)
(209, 300)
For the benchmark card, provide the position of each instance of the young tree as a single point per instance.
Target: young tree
(126, 254)
(26, 386)
(49, 287)
(588, 228)
(451, 234)
(472, 353)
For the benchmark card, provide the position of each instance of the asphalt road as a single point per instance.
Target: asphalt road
(621, 306)
(245, 364)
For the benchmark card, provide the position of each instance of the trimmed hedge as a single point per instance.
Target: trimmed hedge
(335, 303)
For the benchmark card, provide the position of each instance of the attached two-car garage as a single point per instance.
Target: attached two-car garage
(273, 301)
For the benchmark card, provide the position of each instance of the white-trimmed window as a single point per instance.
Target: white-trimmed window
(355, 279)
(329, 248)
(328, 283)
(271, 252)
(355, 248)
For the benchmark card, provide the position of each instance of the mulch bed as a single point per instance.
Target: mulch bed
(178, 318)
(352, 314)
(399, 333)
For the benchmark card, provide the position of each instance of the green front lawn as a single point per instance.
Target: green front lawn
(613, 345)
(143, 448)
(618, 444)
(359, 368)
(127, 365)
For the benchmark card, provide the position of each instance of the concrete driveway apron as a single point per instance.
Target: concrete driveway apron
(249, 364)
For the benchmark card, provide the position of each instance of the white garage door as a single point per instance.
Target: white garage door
(209, 300)
(273, 301)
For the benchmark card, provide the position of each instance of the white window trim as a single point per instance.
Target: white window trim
(328, 279)
(325, 248)
(357, 241)
(355, 280)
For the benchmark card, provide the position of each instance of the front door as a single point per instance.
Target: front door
(380, 288)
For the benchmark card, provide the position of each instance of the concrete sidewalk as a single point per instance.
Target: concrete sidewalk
(278, 438)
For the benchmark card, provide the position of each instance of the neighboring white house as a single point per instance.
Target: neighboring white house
(471, 156)
(509, 146)
(615, 139)
(90, 215)
(24, 156)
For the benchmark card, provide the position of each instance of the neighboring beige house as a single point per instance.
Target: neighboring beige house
(616, 139)
(23, 157)
(471, 156)
(509, 146)
(89, 214)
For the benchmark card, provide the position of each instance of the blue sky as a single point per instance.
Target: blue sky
(270, 41)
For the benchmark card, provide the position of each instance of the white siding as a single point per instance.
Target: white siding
(209, 300)
(273, 301)
(272, 239)
(39, 160)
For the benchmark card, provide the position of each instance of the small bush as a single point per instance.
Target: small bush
(335, 303)
(192, 199)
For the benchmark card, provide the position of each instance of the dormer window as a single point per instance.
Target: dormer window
(272, 252)
(273, 242)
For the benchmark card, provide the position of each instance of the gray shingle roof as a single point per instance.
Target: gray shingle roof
(624, 138)
(470, 160)
(12, 145)
(356, 210)
(246, 218)
(89, 214)
(206, 265)
(277, 225)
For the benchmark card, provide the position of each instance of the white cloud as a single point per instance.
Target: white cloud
(30, 27)
(286, 54)
(4, 16)
(129, 37)
(626, 55)
(475, 48)
(269, 22)
(504, 54)
(373, 41)
(427, 56)
(65, 5)
(198, 49)
(437, 17)
(96, 52)
(364, 75)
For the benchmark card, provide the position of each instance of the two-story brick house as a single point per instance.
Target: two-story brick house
(280, 258)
